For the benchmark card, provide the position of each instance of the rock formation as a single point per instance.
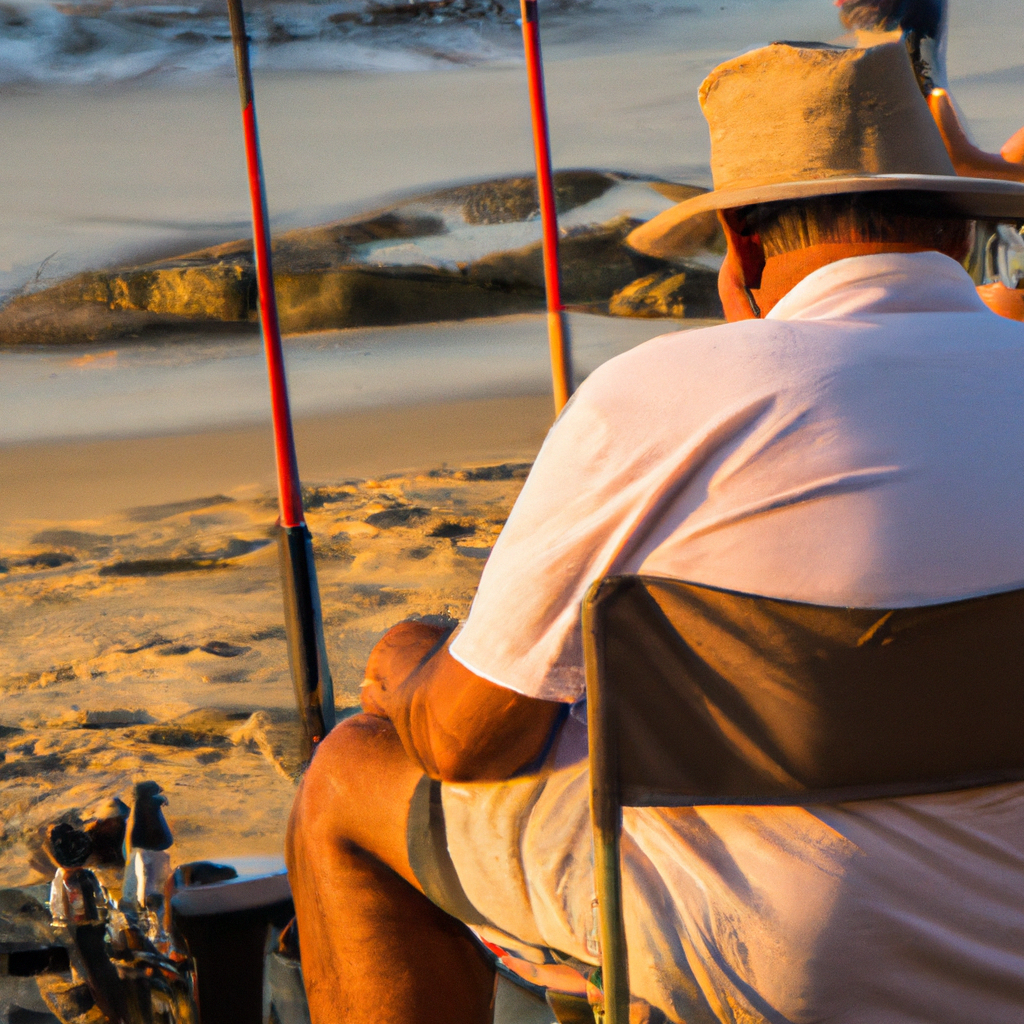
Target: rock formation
(353, 273)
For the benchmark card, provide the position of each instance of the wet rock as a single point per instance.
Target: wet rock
(365, 296)
(49, 318)
(326, 277)
(508, 200)
(594, 262)
(669, 293)
(208, 290)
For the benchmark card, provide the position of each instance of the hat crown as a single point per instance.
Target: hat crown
(805, 111)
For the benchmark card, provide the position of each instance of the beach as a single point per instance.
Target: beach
(142, 632)
(148, 642)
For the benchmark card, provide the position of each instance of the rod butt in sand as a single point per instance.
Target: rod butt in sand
(307, 655)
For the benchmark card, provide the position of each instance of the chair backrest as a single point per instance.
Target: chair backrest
(697, 695)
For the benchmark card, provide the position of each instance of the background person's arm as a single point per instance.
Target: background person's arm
(456, 725)
(968, 159)
(971, 161)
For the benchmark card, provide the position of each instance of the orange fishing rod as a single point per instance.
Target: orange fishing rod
(307, 655)
(558, 327)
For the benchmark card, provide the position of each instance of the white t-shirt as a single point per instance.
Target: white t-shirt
(863, 446)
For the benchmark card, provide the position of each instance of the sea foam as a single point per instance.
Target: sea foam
(85, 42)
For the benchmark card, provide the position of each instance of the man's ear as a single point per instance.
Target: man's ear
(745, 245)
(743, 264)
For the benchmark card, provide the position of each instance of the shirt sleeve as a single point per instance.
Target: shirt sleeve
(594, 475)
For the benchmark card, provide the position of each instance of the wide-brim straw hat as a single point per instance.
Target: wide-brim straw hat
(798, 120)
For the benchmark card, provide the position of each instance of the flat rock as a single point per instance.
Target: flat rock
(669, 293)
(449, 254)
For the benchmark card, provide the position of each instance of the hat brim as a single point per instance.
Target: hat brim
(976, 198)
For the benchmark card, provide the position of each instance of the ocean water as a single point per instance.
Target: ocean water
(119, 125)
(148, 389)
(88, 42)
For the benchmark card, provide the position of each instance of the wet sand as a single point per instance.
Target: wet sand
(78, 480)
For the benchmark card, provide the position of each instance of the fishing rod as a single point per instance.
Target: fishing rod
(307, 655)
(558, 327)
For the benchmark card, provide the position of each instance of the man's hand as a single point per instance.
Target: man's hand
(968, 159)
(456, 725)
(398, 653)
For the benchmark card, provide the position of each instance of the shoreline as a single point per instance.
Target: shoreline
(85, 479)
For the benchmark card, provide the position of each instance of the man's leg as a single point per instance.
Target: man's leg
(375, 950)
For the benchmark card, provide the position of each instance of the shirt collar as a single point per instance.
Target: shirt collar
(892, 282)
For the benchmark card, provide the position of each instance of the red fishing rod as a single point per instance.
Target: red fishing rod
(558, 328)
(311, 677)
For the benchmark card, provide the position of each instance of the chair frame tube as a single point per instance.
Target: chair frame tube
(606, 815)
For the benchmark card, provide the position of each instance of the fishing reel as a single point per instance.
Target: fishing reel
(126, 965)
(143, 942)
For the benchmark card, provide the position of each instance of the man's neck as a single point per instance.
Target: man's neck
(784, 272)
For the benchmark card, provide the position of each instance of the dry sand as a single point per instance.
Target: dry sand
(142, 632)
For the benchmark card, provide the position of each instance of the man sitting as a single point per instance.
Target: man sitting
(853, 437)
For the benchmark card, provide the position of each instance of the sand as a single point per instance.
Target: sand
(86, 479)
(147, 642)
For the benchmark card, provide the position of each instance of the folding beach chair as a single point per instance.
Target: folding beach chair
(702, 696)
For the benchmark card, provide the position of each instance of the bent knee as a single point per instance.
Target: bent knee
(359, 783)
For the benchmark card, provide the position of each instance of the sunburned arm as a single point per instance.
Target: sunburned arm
(456, 725)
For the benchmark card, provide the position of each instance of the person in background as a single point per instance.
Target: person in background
(921, 24)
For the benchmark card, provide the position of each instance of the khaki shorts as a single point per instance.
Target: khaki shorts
(515, 861)
(490, 854)
(895, 911)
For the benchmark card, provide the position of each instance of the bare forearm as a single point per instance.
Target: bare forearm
(968, 159)
(457, 726)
